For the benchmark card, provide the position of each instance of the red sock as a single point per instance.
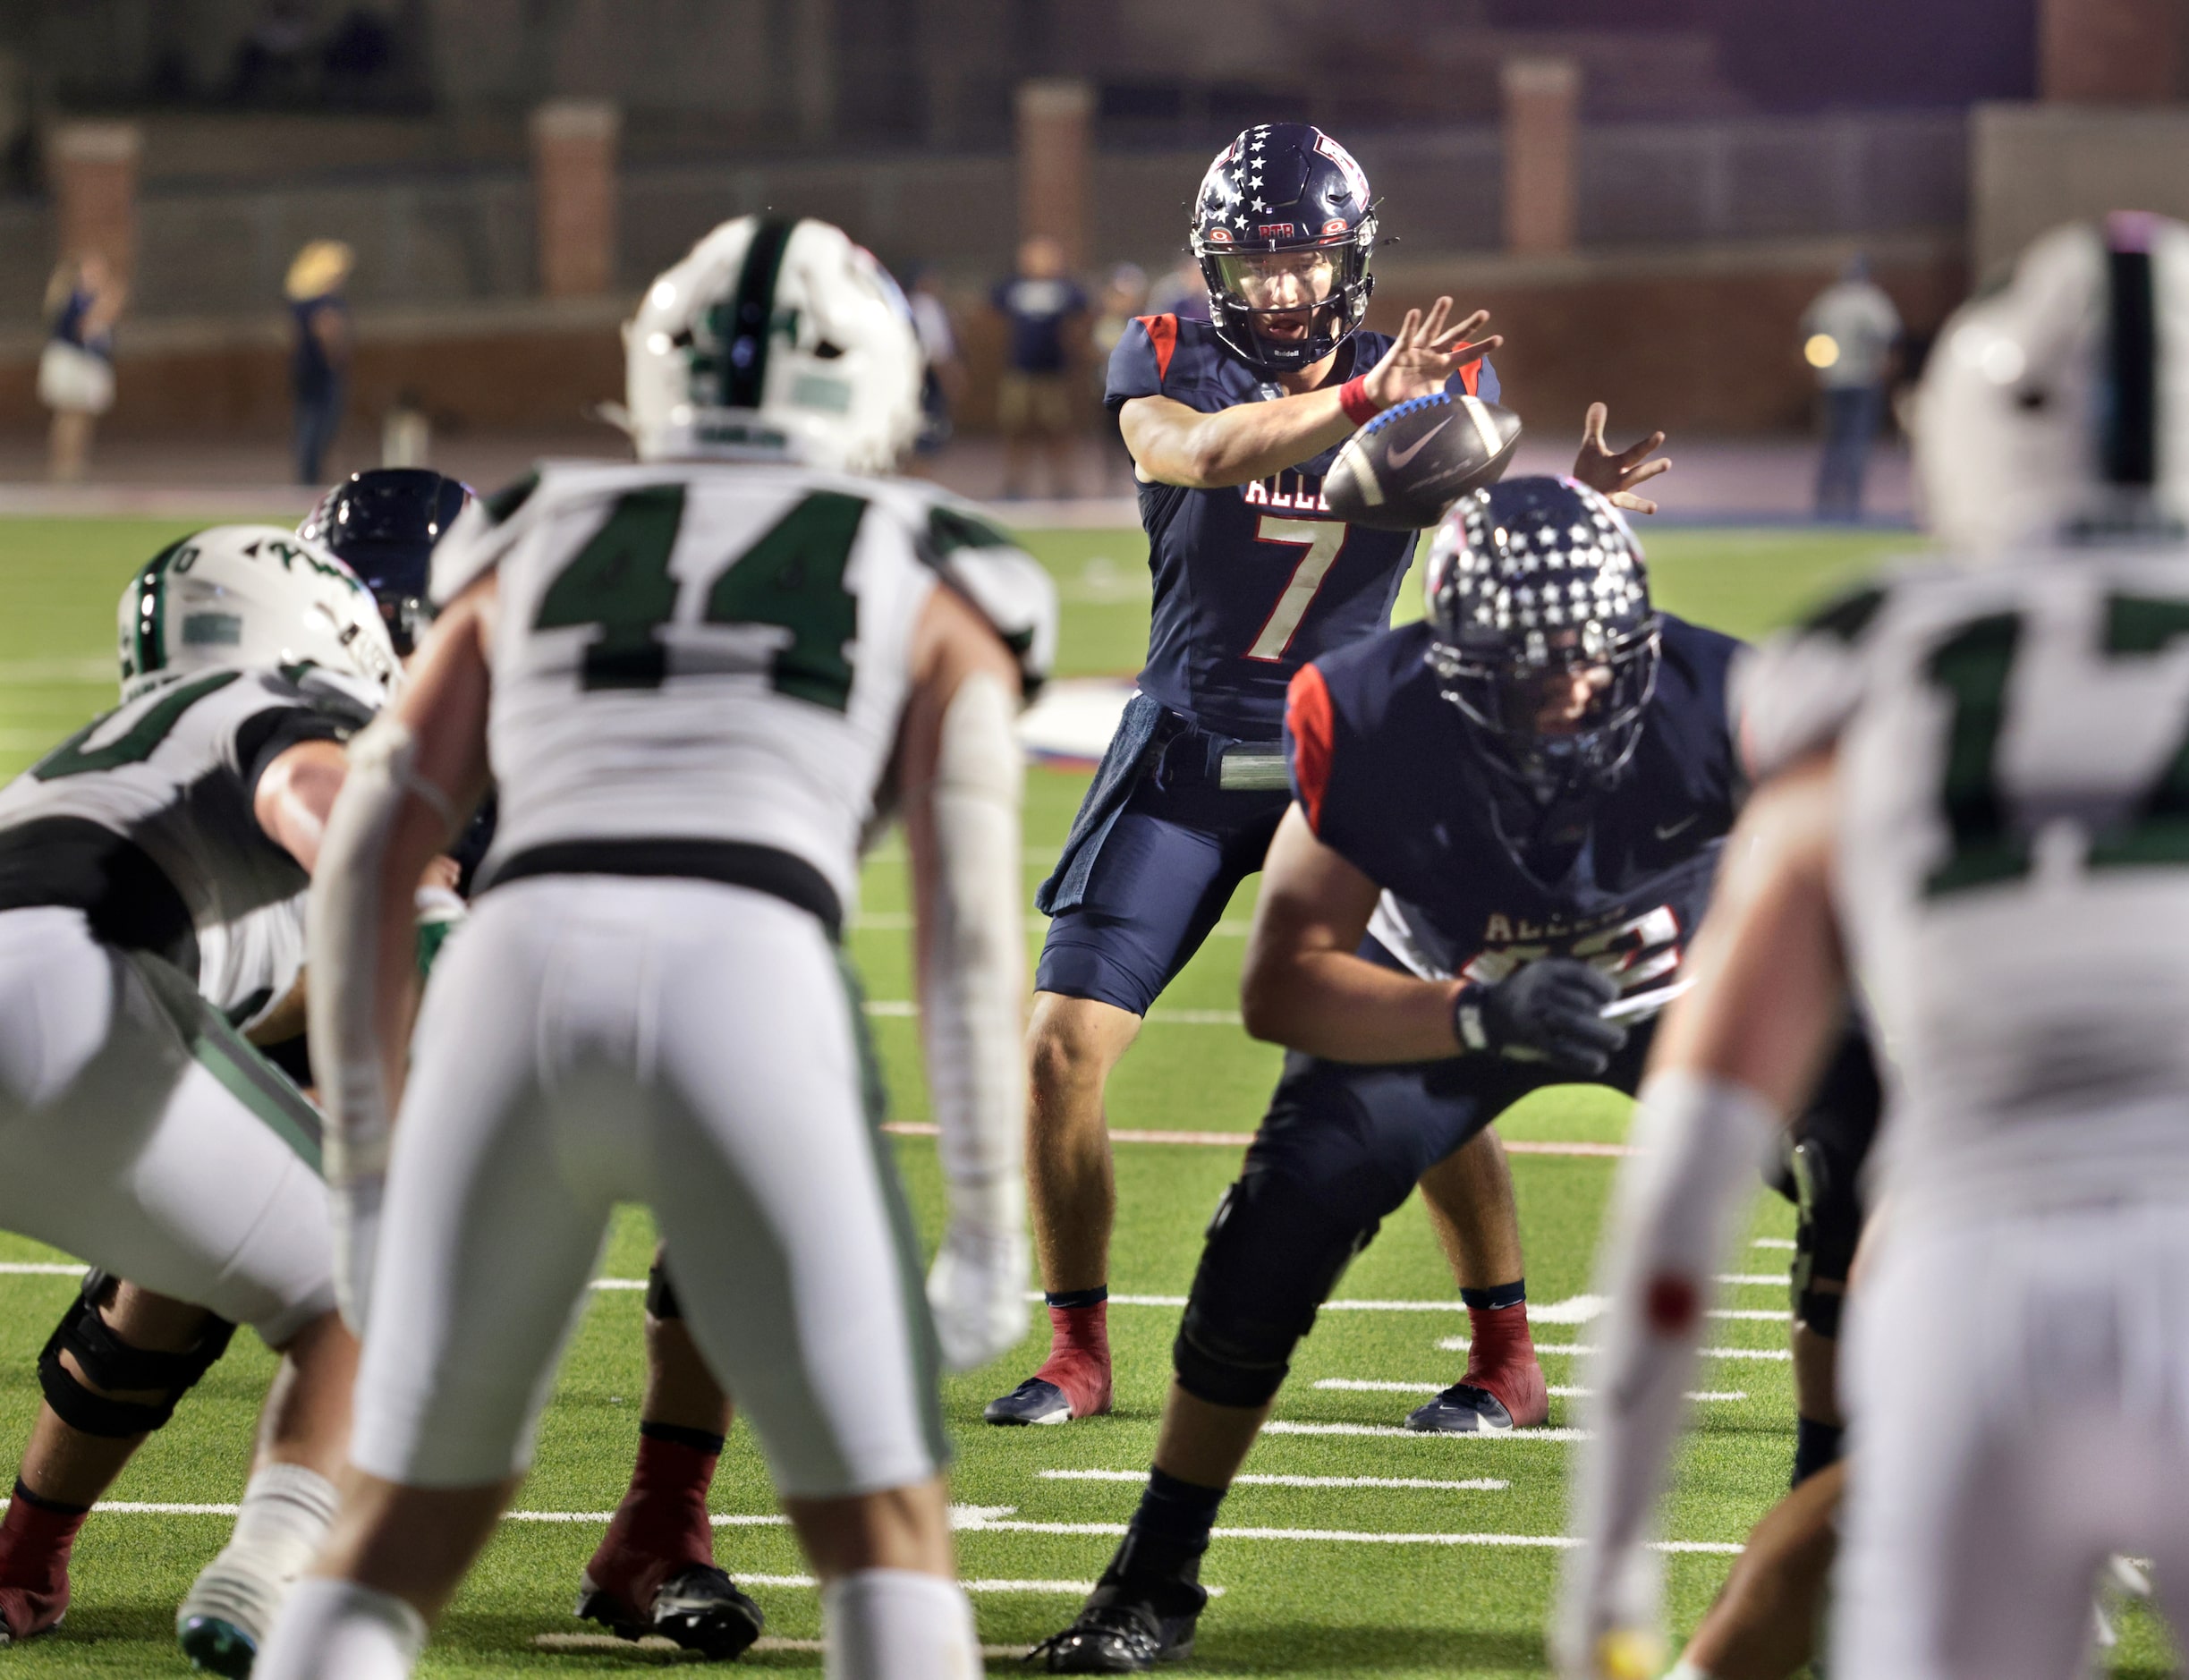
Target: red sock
(35, 1538)
(661, 1528)
(1079, 1356)
(1501, 1359)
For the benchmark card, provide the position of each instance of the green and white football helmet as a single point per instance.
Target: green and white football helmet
(775, 339)
(249, 594)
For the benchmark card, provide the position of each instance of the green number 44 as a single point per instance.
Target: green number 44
(791, 578)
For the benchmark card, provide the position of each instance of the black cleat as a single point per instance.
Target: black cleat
(1462, 1409)
(699, 1609)
(1033, 1401)
(1126, 1628)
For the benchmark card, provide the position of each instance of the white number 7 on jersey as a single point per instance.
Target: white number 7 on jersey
(1322, 538)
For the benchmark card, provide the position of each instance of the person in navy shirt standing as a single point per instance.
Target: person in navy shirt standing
(1232, 424)
(1039, 395)
(1503, 827)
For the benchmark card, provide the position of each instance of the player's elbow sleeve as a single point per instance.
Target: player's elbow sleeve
(974, 985)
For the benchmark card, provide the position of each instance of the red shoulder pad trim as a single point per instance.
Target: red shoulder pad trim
(1163, 334)
(1307, 720)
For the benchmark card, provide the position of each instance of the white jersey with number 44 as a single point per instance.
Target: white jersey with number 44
(710, 652)
(2013, 863)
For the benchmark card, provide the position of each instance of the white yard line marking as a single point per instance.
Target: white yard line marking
(26, 672)
(972, 1521)
(1773, 1241)
(1327, 1306)
(1760, 1315)
(1762, 1280)
(1469, 1484)
(1351, 1385)
(40, 1268)
(1283, 1427)
(903, 1008)
(901, 921)
(1460, 1343)
(653, 1645)
(1240, 1140)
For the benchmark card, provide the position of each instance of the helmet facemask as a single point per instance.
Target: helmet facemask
(1285, 308)
(1561, 710)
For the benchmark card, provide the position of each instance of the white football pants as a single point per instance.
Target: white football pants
(139, 1133)
(591, 1040)
(2019, 1392)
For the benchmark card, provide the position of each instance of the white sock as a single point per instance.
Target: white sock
(1686, 1670)
(897, 1624)
(337, 1630)
(287, 1511)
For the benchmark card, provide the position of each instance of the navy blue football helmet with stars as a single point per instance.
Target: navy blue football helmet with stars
(1283, 229)
(1542, 632)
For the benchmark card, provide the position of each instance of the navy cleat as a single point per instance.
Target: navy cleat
(699, 1609)
(1127, 1627)
(1033, 1401)
(1462, 1409)
(215, 1645)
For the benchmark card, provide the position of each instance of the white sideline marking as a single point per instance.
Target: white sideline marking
(1460, 1343)
(1773, 1241)
(1357, 1537)
(1560, 1391)
(1760, 1315)
(1470, 1484)
(1281, 1427)
(40, 1268)
(1774, 1280)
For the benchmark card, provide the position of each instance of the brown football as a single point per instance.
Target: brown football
(1405, 467)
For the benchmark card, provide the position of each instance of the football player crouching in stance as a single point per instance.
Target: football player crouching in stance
(1504, 826)
(153, 870)
(654, 1571)
(711, 673)
(1971, 806)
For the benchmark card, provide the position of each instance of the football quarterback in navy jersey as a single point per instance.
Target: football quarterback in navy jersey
(1232, 424)
(1500, 841)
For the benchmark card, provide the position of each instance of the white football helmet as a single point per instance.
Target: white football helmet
(249, 594)
(774, 340)
(2057, 406)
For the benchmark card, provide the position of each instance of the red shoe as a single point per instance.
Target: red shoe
(1076, 1381)
(26, 1612)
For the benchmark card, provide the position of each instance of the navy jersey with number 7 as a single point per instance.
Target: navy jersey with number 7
(1252, 580)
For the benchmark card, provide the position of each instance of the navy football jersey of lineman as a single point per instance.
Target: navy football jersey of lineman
(1477, 879)
(1254, 579)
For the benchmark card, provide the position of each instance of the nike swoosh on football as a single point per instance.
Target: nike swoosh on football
(1665, 832)
(1400, 457)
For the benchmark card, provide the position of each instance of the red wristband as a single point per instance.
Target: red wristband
(1352, 397)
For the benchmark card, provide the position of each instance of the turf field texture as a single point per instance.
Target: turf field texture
(1360, 1550)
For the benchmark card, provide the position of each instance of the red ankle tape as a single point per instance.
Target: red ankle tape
(661, 1528)
(1501, 1359)
(35, 1543)
(1079, 1357)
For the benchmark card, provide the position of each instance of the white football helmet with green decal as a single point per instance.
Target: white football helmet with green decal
(775, 339)
(250, 596)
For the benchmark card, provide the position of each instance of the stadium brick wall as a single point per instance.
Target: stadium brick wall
(1705, 340)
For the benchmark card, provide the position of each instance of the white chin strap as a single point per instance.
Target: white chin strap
(974, 983)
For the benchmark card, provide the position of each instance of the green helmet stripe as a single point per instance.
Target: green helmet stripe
(745, 334)
(148, 640)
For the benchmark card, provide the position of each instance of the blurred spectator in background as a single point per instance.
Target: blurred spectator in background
(1849, 336)
(319, 371)
(270, 63)
(75, 372)
(1183, 292)
(945, 380)
(1038, 397)
(1125, 294)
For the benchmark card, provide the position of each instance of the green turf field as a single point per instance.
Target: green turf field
(1459, 1587)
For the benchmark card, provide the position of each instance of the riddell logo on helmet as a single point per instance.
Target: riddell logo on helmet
(1275, 230)
(1335, 224)
(1218, 236)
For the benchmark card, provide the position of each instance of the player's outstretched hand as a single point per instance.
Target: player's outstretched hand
(977, 1289)
(1616, 476)
(1550, 1010)
(1426, 353)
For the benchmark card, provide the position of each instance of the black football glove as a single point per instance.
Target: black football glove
(1551, 1011)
